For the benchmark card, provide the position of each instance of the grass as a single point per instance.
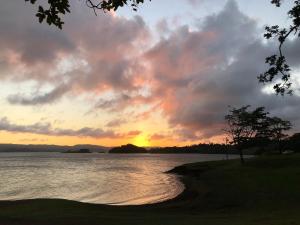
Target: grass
(266, 191)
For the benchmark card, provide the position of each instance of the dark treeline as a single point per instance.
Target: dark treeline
(290, 144)
(49, 148)
(200, 148)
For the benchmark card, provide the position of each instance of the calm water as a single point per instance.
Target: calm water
(94, 178)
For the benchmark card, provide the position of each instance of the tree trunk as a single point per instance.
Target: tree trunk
(241, 155)
(280, 147)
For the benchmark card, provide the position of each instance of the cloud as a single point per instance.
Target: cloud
(30, 43)
(157, 137)
(116, 123)
(121, 101)
(198, 73)
(47, 129)
(195, 2)
(134, 133)
(114, 103)
(190, 75)
(108, 46)
(37, 99)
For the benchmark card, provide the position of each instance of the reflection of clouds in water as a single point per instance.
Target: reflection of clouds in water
(94, 178)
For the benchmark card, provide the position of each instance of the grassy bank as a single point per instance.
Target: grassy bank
(265, 191)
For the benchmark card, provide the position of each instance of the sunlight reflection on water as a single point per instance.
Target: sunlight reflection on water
(93, 178)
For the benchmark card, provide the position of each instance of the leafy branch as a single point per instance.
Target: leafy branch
(56, 8)
(278, 63)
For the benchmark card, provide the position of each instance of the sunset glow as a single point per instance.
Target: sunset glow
(149, 78)
(141, 141)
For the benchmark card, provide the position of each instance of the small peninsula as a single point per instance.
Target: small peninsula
(129, 148)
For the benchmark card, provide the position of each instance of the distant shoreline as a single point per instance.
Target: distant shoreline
(124, 149)
(148, 153)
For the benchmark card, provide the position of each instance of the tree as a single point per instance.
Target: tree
(278, 64)
(294, 142)
(244, 125)
(56, 8)
(276, 127)
(261, 127)
(255, 128)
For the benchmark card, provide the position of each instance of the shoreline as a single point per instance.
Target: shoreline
(178, 171)
(216, 193)
(161, 186)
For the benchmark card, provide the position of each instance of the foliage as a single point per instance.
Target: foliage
(243, 125)
(293, 142)
(247, 127)
(112, 4)
(278, 64)
(52, 15)
(57, 8)
(276, 127)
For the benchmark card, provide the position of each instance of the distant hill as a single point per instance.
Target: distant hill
(93, 148)
(83, 150)
(129, 148)
(50, 148)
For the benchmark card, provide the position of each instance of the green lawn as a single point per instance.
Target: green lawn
(266, 191)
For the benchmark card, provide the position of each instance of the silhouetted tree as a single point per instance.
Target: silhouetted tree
(244, 125)
(278, 64)
(293, 142)
(276, 127)
(261, 126)
(255, 128)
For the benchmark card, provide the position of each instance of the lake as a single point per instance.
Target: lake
(128, 179)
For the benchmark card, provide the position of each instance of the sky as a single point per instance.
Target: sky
(162, 76)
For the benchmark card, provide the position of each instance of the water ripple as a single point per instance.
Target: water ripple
(94, 178)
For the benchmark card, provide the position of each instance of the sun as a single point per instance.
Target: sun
(141, 141)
